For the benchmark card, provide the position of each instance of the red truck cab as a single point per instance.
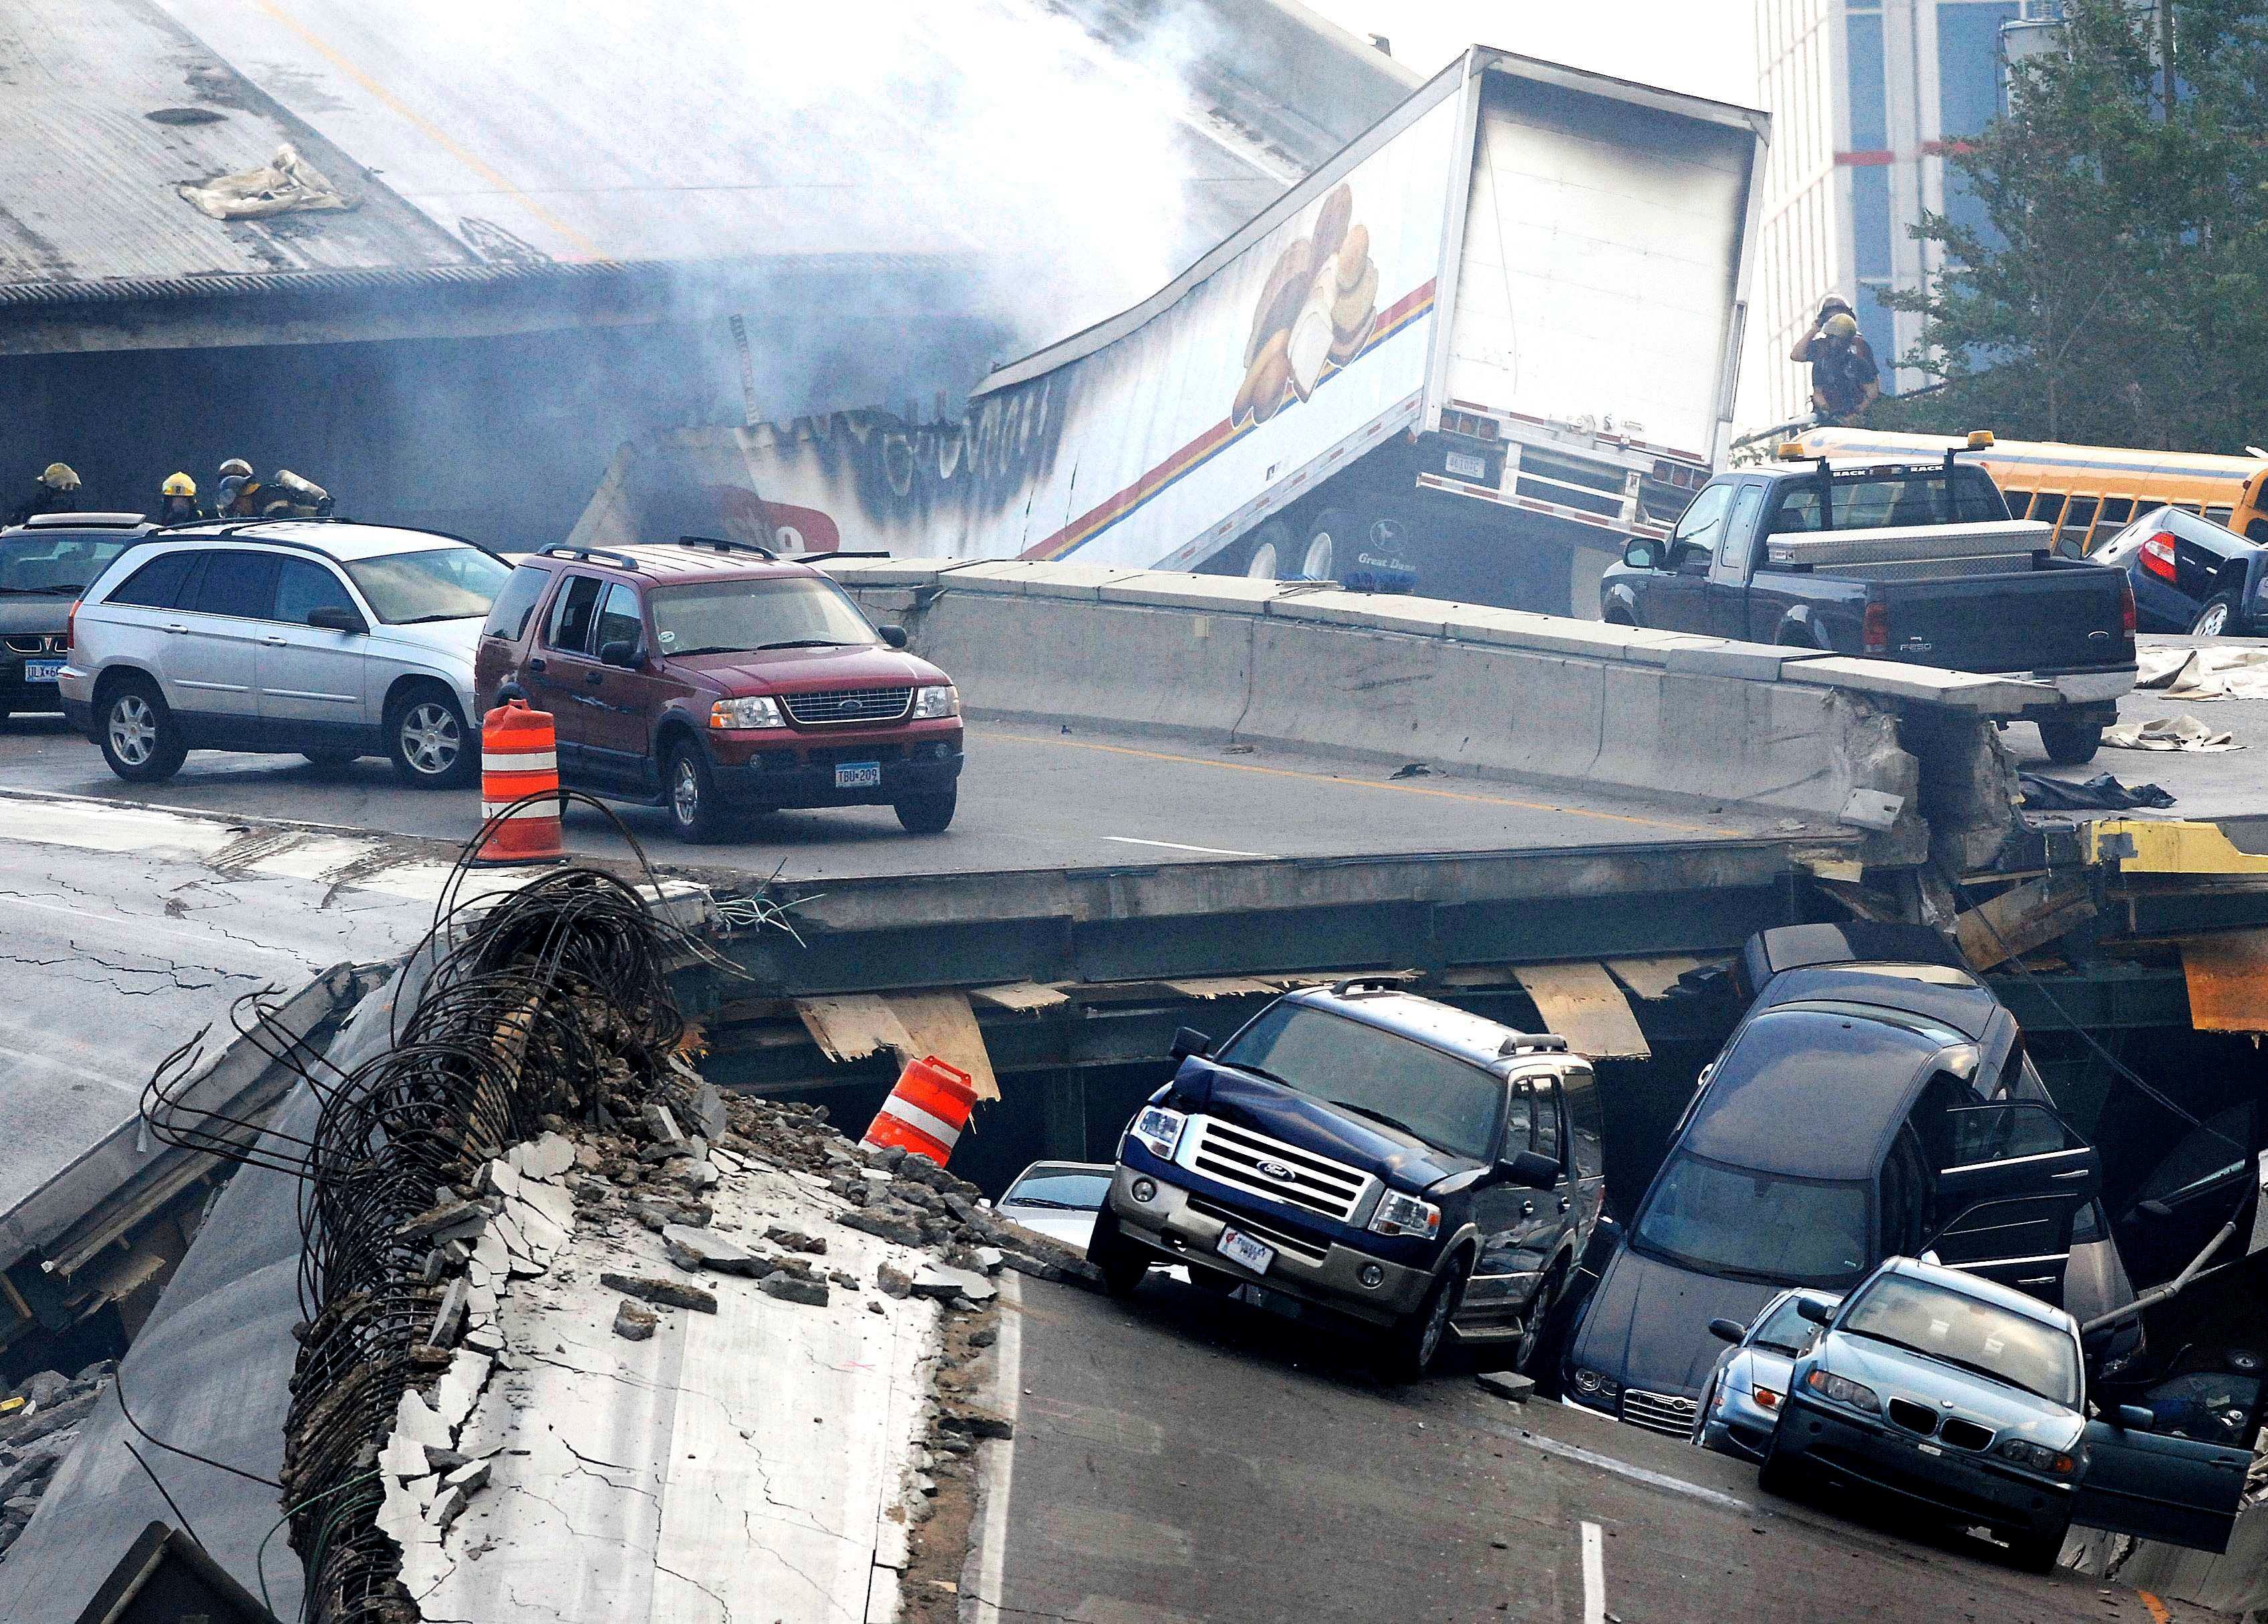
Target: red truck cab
(713, 677)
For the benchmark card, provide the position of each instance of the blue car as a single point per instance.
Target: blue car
(1741, 1404)
(1425, 1173)
(1968, 1400)
(1874, 1101)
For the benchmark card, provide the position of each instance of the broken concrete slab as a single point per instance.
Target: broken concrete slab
(1508, 1385)
(945, 1284)
(788, 1288)
(704, 1248)
(669, 1293)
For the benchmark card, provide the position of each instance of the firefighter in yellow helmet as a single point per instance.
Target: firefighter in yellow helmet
(55, 492)
(177, 501)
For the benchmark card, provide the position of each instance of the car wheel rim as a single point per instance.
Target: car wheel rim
(430, 739)
(685, 794)
(133, 730)
(2213, 621)
(1436, 1323)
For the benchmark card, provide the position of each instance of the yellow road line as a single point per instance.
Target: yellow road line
(429, 130)
(2158, 1612)
(1324, 777)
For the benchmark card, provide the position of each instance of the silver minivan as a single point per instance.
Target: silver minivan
(329, 638)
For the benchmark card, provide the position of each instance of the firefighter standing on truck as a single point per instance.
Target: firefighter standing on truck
(1845, 378)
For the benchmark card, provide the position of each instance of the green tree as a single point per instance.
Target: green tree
(2121, 294)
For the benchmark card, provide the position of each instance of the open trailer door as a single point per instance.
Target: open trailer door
(2177, 1490)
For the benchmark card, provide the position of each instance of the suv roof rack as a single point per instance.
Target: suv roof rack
(1532, 1043)
(87, 522)
(723, 546)
(592, 555)
(1367, 986)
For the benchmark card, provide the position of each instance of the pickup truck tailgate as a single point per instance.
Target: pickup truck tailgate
(2061, 617)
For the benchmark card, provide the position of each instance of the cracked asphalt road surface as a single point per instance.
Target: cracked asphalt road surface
(1184, 1457)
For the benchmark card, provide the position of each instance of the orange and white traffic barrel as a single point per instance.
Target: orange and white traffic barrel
(926, 1111)
(519, 758)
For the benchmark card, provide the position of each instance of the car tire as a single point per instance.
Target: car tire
(2036, 1552)
(928, 814)
(428, 743)
(696, 815)
(2214, 616)
(2069, 743)
(1121, 1264)
(1537, 1346)
(1776, 1474)
(139, 737)
(1413, 1345)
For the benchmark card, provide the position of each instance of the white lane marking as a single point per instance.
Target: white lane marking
(1176, 845)
(990, 1556)
(1620, 1468)
(1595, 1576)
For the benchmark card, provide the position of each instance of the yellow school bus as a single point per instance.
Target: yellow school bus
(2087, 492)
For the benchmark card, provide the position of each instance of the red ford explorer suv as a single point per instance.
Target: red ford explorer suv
(711, 676)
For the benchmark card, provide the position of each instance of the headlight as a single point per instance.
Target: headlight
(1591, 1385)
(760, 712)
(1159, 1131)
(1405, 1215)
(2038, 1457)
(931, 704)
(1844, 1391)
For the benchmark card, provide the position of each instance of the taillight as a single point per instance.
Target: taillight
(2126, 608)
(1875, 629)
(2158, 555)
(70, 628)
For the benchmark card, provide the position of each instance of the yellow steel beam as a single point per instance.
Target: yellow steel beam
(2170, 846)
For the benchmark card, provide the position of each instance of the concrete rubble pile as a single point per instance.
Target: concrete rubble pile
(590, 1229)
(39, 1428)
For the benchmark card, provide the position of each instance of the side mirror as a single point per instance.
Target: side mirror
(621, 653)
(336, 618)
(895, 636)
(1189, 1041)
(1727, 1330)
(1643, 553)
(2134, 1418)
(1817, 1313)
(1529, 1171)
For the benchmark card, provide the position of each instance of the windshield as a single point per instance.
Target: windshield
(1784, 1331)
(1725, 1220)
(723, 617)
(434, 583)
(1894, 497)
(1375, 1073)
(1080, 1192)
(56, 566)
(1942, 1323)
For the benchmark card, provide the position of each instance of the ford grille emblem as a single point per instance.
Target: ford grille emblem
(1277, 1170)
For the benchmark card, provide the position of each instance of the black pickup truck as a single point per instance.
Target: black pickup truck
(1911, 561)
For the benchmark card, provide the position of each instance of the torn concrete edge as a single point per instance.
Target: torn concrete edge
(937, 1023)
(128, 1174)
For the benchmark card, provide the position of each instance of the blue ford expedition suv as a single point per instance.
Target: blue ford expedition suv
(1424, 1171)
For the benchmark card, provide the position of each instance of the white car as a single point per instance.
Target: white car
(328, 639)
(1058, 1199)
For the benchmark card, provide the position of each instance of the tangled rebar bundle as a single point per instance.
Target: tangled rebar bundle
(552, 1000)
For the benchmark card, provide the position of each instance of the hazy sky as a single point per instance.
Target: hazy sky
(1704, 47)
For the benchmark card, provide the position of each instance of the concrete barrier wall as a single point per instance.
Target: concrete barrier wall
(1494, 691)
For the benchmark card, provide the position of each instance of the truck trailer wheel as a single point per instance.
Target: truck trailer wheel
(2068, 743)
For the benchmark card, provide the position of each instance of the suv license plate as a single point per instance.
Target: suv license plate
(1463, 467)
(43, 670)
(858, 775)
(1239, 1247)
